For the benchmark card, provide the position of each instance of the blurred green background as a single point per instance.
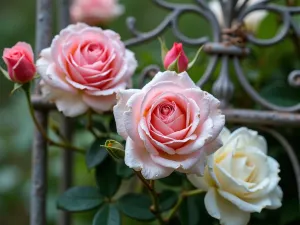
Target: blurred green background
(266, 68)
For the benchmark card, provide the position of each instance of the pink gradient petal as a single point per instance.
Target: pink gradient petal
(182, 80)
(137, 158)
(121, 107)
(177, 161)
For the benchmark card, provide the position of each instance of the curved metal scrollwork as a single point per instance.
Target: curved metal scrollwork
(221, 46)
(171, 20)
(228, 43)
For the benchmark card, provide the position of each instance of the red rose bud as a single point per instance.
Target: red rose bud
(176, 59)
(20, 63)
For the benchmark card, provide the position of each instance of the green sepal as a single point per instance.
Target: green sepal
(190, 65)
(16, 87)
(174, 65)
(115, 149)
(36, 76)
(5, 73)
(164, 49)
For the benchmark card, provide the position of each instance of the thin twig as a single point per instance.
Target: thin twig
(43, 132)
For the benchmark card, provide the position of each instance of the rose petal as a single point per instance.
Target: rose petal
(198, 181)
(255, 205)
(151, 144)
(120, 108)
(132, 117)
(227, 213)
(182, 80)
(138, 158)
(68, 103)
(100, 103)
(52, 76)
(177, 161)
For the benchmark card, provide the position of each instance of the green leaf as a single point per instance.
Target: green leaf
(136, 206)
(167, 200)
(164, 49)
(96, 154)
(280, 93)
(78, 199)
(107, 179)
(107, 215)
(123, 170)
(191, 64)
(174, 65)
(174, 180)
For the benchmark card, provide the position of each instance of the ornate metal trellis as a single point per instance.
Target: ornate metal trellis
(224, 46)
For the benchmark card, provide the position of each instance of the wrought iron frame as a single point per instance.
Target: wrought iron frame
(221, 47)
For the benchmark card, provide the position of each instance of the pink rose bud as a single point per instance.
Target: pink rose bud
(20, 62)
(176, 54)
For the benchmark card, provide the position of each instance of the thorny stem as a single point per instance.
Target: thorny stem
(155, 209)
(180, 200)
(41, 129)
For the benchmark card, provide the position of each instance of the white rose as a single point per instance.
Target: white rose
(239, 178)
(252, 20)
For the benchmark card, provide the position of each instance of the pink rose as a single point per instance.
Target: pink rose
(84, 68)
(170, 124)
(94, 12)
(20, 62)
(176, 53)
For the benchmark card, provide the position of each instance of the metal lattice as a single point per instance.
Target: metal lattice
(228, 44)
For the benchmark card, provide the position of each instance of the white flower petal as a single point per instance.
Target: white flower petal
(68, 103)
(255, 205)
(276, 198)
(221, 209)
(132, 116)
(120, 108)
(137, 157)
(100, 103)
(183, 80)
(198, 181)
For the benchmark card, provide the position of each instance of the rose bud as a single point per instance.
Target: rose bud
(176, 59)
(20, 63)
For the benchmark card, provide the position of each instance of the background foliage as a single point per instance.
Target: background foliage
(266, 68)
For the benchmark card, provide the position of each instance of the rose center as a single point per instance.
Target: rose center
(165, 110)
(16, 55)
(95, 50)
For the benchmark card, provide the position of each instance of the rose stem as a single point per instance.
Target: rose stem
(90, 124)
(183, 195)
(155, 207)
(26, 88)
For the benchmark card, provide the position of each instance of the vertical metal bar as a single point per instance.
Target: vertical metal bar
(67, 169)
(39, 151)
(67, 157)
(63, 11)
